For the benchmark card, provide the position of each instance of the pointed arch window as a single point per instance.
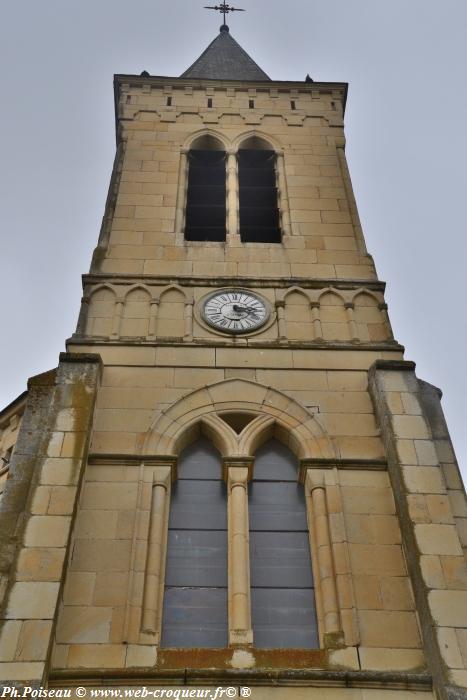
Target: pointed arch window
(259, 211)
(195, 598)
(282, 589)
(205, 217)
(235, 194)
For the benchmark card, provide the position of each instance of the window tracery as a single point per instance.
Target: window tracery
(203, 605)
(239, 193)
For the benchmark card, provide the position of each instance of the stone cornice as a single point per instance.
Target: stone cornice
(121, 459)
(248, 677)
(283, 282)
(160, 81)
(238, 343)
(259, 85)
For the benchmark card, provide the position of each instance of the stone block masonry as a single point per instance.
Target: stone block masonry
(36, 513)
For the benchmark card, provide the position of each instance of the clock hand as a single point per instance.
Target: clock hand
(244, 308)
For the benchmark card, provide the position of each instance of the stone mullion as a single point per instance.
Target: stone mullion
(232, 196)
(240, 630)
(283, 199)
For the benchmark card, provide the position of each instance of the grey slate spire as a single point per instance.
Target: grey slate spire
(224, 59)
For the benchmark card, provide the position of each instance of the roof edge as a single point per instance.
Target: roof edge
(14, 406)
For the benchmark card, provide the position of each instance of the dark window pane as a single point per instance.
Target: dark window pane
(282, 596)
(257, 177)
(196, 558)
(275, 462)
(195, 617)
(284, 618)
(277, 506)
(205, 218)
(259, 214)
(280, 559)
(208, 196)
(198, 505)
(195, 597)
(200, 460)
(260, 234)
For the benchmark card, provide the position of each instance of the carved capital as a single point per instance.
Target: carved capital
(237, 471)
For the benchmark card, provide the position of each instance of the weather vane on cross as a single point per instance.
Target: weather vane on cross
(224, 7)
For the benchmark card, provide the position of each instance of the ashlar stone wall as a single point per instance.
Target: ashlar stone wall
(322, 234)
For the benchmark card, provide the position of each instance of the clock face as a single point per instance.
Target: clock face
(235, 311)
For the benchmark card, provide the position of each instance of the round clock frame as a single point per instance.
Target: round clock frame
(235, 311)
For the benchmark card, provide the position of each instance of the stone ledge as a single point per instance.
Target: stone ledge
(44, 379)
(123, 459)
(89, 358)
(260, 677)
(394, 365)
(305, 282)
(247, 342)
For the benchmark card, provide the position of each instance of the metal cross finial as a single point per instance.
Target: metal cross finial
(225, 8)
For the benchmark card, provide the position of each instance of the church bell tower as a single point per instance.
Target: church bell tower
(234, 478)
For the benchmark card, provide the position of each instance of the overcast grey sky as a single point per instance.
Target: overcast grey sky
(406, 63)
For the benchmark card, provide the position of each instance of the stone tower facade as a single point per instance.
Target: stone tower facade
(232, 326)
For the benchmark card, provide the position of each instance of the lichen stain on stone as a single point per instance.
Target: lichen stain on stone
(242, 659)
(268, 659)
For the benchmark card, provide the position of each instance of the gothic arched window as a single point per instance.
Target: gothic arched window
(259, 212)
(282, 592)
(250, 186)
(195, 598)
(205, 218)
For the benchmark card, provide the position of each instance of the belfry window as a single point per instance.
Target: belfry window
(206, 194)
(236, 194)
(259, 212)
(195, 598)
(282, 594)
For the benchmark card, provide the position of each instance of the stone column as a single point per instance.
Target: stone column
(282, 195)
(232, 195)
(83, 316)
(188, 337)
(383, 307)
(350, 309)
(153, 311)
(281, 323)
(237, 473)
(321, 545)
(157, 546)
(117, 319)
(423, 472)
(181, 194)
(315, 317)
